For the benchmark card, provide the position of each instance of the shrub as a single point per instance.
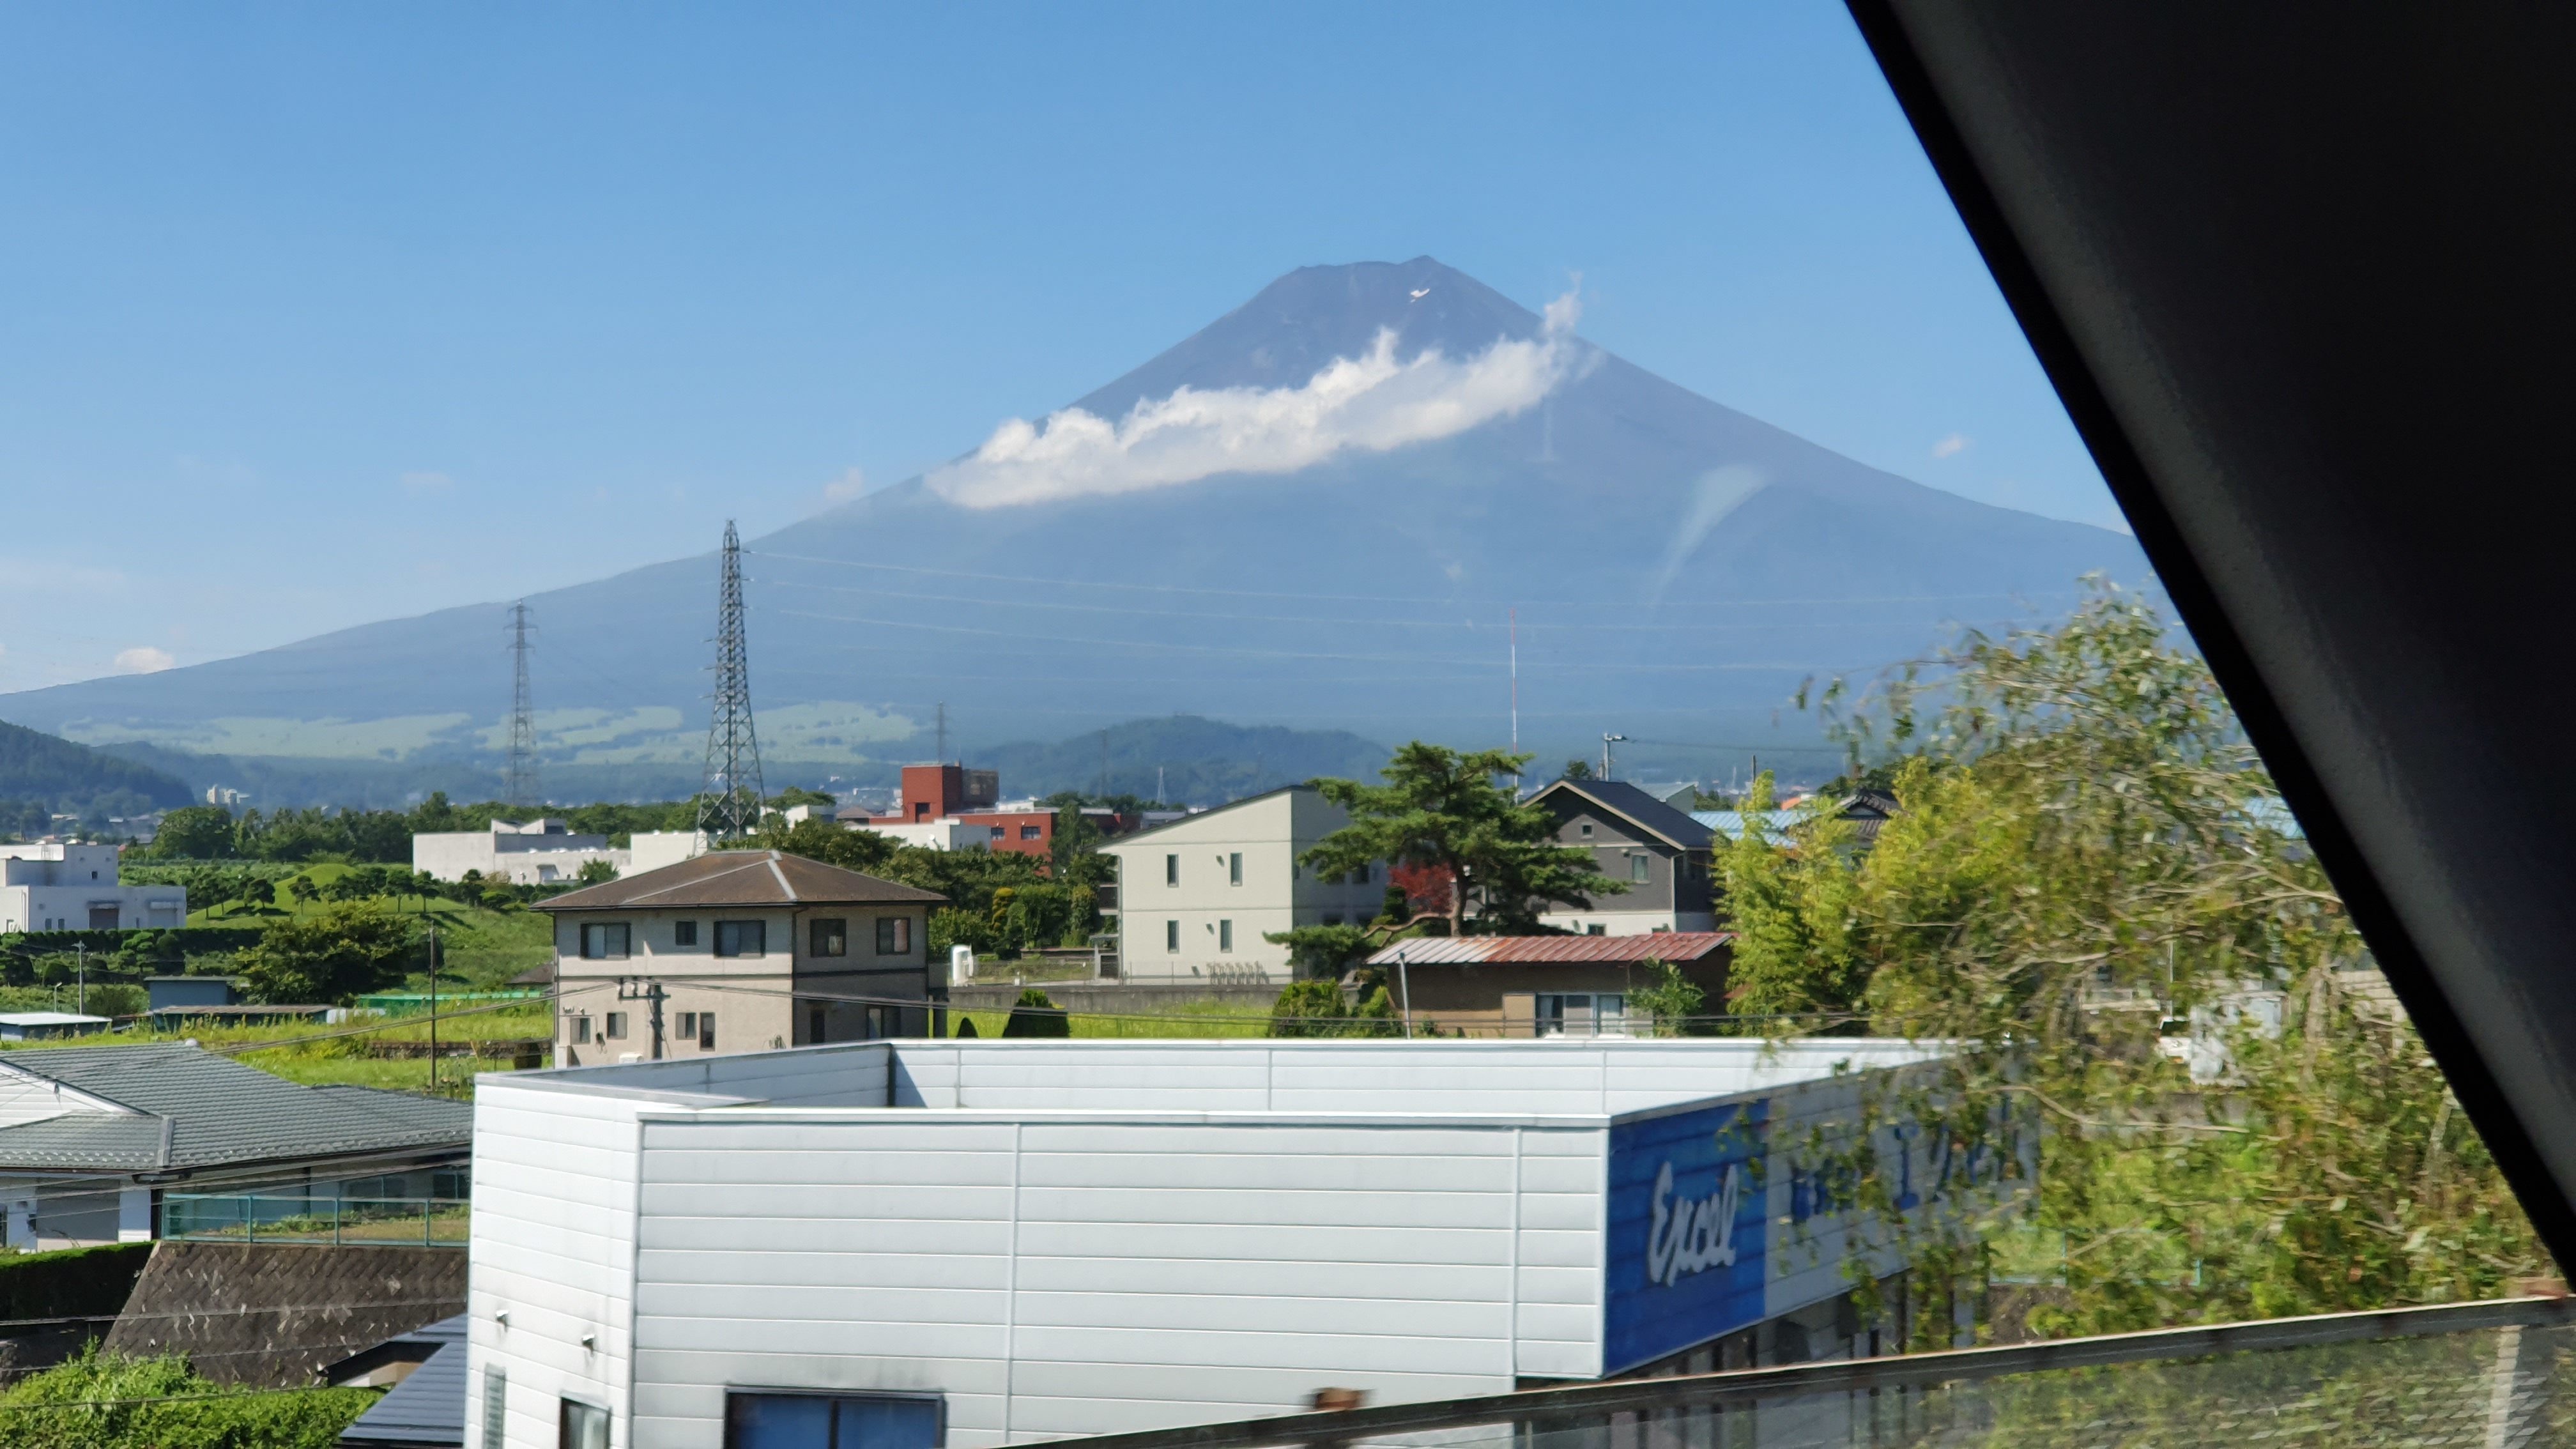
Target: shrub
(1036, 1014)
(111, 1401)
(329, 956)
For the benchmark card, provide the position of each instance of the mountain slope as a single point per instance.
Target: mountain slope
(70, 777)
(1675, 569)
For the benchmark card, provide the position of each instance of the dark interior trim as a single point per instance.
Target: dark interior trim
(1893, 30)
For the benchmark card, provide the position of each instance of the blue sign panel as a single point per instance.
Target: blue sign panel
(1686, 1225)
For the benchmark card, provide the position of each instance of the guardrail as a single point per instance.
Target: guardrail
(376, 1222)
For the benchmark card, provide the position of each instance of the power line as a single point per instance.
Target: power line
(730, 795)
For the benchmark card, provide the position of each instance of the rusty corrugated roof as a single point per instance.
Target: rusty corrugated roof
(739, 878)
(1673, 946)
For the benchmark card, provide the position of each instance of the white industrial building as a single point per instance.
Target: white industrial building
(53, 886)
(537, 852)
(987, 1242)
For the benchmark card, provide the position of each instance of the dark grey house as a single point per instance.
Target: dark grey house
(1660, 853)
(93, 1140)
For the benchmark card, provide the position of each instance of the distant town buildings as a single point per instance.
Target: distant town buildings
(539, 852)
(950, 807)
(52, 885)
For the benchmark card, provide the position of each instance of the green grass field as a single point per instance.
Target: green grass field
(314, 1054)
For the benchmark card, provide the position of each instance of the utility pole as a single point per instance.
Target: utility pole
(80, 1003)
(1606, 742)
(653, 1010)
(433, 1006)
(1404, 986)
(520, 783)
(729, 799)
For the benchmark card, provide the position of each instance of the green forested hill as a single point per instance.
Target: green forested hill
(70, 777)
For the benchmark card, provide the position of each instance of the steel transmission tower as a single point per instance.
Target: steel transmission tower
(729, 799)
(519, 784)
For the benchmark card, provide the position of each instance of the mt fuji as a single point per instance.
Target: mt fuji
(1350, 504)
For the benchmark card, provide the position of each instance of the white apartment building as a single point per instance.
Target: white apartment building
(540, 852)
(53, 886)
(1196, 896)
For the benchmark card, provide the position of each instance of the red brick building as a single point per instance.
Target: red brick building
(973, 797)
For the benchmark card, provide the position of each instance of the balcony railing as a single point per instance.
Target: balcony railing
(422, 1222)
(2498, 1375)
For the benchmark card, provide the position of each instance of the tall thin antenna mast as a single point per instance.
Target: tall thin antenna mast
(519, 782)
(729, 799)
(942, 756)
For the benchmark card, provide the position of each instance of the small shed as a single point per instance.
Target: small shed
(38, 1025)
(1536, 986)
(164, 992)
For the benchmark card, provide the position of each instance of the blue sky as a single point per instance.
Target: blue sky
(317, 315)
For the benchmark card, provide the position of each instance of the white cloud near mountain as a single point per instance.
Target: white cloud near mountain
(144, 659)
(1371, 403)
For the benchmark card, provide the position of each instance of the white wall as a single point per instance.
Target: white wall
(1276, 894)
(554, 1249)
(1057, 1277)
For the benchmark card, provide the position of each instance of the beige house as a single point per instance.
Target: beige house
(740, 950)
(1196, 896)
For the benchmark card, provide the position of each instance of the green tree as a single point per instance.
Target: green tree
(303, 890)
(257, 893)
(1577, 770)
(1441, 807)
(2086, 861)
(194, 832)
(1322, 952)
(331, 955)
(596, 872)
(1790, 906)
(864, 851)
(1674, 1003)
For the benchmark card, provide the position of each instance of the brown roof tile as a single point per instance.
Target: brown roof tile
(739, 878)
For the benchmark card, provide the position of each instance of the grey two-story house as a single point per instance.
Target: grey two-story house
(1660, 853)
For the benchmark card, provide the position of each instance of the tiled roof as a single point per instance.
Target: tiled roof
(1620, 798)
(739, 878)
(1673, 946)
(193, 1108)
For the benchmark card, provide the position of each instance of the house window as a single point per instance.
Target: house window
(706, 1031)
(832, 1421)
(1640, 868)
(581, 1426)
(616, 1026)
(1584, 830)
(1171, 935)
(827, 937)
(1030, 832)
(1225, 935)
(1234, 868)
(997, 832)
(894, 935)
(1171, 870)
(577, 1030)
(1596, 929)
(816, 1021)
(604, 942)
(684, 933)
(685, 1025)
(1581, 1014)
(742, 938)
